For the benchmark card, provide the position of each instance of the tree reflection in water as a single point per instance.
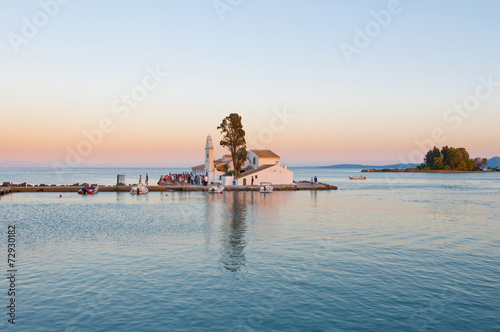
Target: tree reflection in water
(233, 240)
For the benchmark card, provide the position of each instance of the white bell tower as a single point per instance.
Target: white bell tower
(209, 155)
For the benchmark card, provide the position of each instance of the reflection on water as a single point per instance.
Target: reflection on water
(418, 255)
(314, 198)
(233, 229)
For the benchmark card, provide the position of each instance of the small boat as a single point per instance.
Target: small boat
(217, 188)
(91, 190)
(266, 187)
(357, 177)
(139, 189)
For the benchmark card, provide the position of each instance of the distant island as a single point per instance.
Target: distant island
(448, 159)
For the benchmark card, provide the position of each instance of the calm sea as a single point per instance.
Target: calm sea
(396, 252)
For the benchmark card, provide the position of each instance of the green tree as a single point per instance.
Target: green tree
(464, 154)
(450, 158)
(470, 164)
(429, 159)
(438, 163)
(445, 152)
(461, 166)
(431, 156)
(454, 157)
(480, 163)
(234, 139)
(484, 162)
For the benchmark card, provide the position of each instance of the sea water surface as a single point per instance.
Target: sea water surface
(396, 252)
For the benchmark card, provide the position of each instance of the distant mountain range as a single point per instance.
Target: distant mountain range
(493, 162)
(34, 164)
(22, 163)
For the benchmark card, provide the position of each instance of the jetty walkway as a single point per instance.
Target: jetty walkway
(303, 185)
(5, 190)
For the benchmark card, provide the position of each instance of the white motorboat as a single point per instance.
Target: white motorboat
(357, 177)
(266, 187)
(139, 189)
(216, 188)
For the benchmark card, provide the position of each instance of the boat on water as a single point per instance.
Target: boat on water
(216, 188)
(90, 190)
(139, 189)
(357, 177)
(266, 188)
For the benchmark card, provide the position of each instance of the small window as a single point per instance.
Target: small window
(254, 160)
(256, 176)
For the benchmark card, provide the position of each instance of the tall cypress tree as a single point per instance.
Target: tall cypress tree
(234, 139)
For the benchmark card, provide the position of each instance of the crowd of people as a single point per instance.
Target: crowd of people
(182, 179)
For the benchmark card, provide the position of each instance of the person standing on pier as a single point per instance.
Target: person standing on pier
(140, 178)
(315, 180)
(147, 179)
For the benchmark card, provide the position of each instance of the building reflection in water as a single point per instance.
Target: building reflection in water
(228, 219)
(234, 227)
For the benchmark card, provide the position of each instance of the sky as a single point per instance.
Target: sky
(142, 83)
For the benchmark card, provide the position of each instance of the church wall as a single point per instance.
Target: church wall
(275, 175)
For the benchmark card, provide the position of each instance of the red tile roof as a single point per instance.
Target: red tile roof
(265, 153)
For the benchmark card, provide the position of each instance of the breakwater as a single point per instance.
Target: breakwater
(24, 187)
(5, 190)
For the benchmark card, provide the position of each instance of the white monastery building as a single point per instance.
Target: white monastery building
(261, 165)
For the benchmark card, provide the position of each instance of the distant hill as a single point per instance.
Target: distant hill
(21, 163)
(493, 162)
(371, 166)
(34, 164)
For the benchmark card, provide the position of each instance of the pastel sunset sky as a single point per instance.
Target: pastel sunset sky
(318, 82)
